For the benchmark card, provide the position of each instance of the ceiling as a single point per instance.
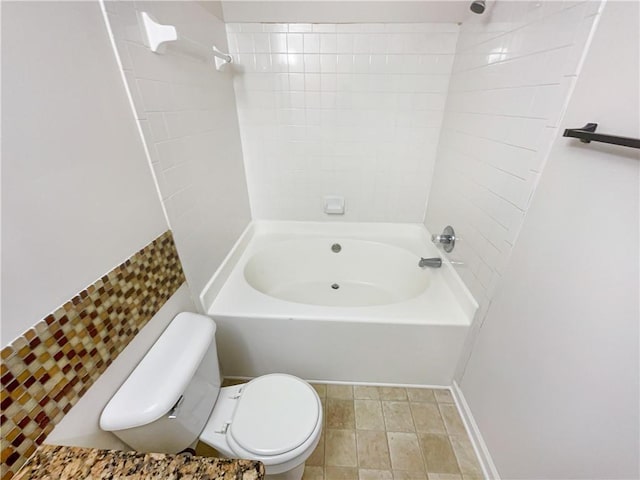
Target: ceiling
(336, 11)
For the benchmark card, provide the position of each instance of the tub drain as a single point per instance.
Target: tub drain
(335, 286)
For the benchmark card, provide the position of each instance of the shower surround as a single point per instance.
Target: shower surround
(511, 79)
(341, 109)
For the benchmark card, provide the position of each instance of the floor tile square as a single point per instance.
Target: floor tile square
(366, 474)
(339, 391)
(397, 416)
(373, 451)
(452, 419)
(466, 456)
(427, 419)
(340, 448)
(340, 414)
(443, 395)
(408, 475)
(438, 453)
(364, 392)
(392, 393)
(369, 415)
(313, 473)
(421, 395)
(341, 473)
(404, 450)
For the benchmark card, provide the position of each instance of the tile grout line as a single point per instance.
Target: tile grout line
(422, 455)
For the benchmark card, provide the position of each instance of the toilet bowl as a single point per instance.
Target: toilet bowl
(276, 419)
(174, 397)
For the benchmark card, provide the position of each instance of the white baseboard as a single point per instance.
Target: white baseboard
(359, 384)
(489, 469)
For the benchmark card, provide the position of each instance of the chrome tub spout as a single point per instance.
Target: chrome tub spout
(435, 262)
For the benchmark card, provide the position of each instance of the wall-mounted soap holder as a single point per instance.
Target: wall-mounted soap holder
(333, 205)
(157, 35)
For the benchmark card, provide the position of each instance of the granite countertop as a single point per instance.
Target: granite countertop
(74, 463)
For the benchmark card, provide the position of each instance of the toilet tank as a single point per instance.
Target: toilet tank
(166, 401)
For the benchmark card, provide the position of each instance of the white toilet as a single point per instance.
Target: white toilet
(173, 397)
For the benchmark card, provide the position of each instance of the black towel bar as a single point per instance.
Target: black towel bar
(587, 134)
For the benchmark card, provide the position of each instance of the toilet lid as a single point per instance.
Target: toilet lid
(275, 414)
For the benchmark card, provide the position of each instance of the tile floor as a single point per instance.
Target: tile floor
(389, 433)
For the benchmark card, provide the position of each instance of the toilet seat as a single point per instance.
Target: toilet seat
(275, 419)
(275, 414)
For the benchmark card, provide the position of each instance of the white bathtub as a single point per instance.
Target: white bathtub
(286, 302)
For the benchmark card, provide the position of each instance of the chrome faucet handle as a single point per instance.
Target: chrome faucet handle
(442, 238)
(447, 239)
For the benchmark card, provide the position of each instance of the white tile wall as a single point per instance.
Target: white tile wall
(341, 109)
(512, 73)
(187, 112)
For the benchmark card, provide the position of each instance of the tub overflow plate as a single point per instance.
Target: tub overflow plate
(335, 248)
(335, 286)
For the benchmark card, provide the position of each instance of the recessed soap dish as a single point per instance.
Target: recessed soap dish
(334, 205)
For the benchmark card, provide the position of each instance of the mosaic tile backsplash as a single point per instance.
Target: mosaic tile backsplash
(48, 369)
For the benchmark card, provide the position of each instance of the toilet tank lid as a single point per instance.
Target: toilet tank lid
(161, 377)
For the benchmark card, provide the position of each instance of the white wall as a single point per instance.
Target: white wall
(78, 196)
(77, 193)
(513, 69)
(341, 109)
(553, 380)
(187, 112)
